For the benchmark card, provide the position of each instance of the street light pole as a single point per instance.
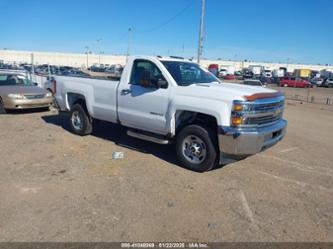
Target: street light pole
(99, 50)
(201, 29)
(128, 43)
(87, 52)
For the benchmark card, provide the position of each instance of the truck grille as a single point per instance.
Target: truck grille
(261, 112)
(268, 106)
(263, 120)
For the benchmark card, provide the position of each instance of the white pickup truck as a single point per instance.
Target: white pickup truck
(165, 100)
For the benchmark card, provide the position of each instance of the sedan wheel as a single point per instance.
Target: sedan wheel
(2, 107)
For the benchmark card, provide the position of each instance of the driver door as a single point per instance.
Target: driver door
(141, 103)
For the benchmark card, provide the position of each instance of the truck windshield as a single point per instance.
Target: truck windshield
(12, 80)
(187, 73)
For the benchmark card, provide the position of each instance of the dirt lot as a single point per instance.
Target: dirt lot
(55, 186)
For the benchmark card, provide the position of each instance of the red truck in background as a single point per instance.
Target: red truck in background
(294, 82)
(214, 69)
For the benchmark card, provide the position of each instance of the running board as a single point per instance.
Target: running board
(147, 137)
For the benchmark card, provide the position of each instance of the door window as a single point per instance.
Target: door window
(142, 68)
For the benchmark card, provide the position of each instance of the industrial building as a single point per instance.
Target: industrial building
(86, 60)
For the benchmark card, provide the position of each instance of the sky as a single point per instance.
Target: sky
(292, 31)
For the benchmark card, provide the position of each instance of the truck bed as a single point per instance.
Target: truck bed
(100, 94)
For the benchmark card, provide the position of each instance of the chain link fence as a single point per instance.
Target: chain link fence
(310, 95)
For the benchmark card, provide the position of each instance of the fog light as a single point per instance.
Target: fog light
(236, 120)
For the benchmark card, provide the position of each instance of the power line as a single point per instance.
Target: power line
(191, 2)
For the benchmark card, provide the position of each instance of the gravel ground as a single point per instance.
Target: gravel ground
(55, 186)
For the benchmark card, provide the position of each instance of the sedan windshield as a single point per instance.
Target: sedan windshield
(187, 73)
(13, 80)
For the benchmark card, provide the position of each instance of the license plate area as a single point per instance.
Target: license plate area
(272, 135)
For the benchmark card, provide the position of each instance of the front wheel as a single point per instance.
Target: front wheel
(196, 149)
(80, 121)
(2, 107)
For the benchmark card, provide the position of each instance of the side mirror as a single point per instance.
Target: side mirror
(162, 83)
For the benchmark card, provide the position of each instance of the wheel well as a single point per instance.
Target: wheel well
(75, 98)
(184, 118)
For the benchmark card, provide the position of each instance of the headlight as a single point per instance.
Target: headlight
(238, 109)
(48, 95)
(15, 96)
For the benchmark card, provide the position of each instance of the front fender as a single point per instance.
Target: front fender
(216, 108)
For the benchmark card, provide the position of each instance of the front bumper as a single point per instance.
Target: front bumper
(27, 103)
(249, 141)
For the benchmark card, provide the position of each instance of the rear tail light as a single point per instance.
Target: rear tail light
(54, 85)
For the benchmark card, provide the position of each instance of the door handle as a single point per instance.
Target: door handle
(125, 91)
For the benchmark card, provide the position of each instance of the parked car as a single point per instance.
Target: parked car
(229, 77)
(254, 82)
(238, 73)
(165, 100)
(115, 71)
(268, 73)
(247, 74)
(328, 83)
(223, 72)
(294, 82)
(317, 82)
(18, 92)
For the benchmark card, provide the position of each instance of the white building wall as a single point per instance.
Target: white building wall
(80, 60)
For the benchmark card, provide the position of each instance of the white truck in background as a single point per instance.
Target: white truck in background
(278, 73)
(168, 100)
(226, 70)
(256, 69)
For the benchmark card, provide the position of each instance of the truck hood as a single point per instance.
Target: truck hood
(222, 91)
(30, 90)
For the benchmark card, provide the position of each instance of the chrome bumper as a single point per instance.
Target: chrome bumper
(27, 103)
(249, 141)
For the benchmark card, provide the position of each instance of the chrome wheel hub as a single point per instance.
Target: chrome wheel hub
(194, 149)
(76, 120)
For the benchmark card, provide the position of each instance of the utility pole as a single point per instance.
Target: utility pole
(99, 50)
(87, 52)
(128, 43)
(201, 29)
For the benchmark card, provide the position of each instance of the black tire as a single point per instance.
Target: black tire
(2, 107)
(330, 85)
(209, 161)
(80, 121)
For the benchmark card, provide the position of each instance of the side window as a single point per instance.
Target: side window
(141, 68)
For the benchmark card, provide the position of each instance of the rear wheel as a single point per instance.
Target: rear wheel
(196, 149)
(2, 107)
(330, 85)
(80, 121)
